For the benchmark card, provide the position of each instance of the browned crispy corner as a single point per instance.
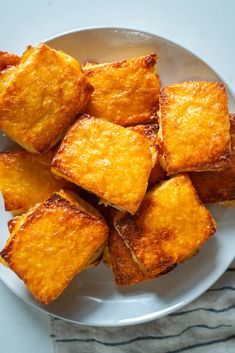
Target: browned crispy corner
(126, 92)
(53, 242)
(7, 60)
(194, 126)
(218, 186)
(158, 233)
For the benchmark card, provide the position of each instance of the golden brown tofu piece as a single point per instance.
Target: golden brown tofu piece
(54, 242)
(7, 60)
(169, 226)
(40, 97)
(150, 132)
(106, 159)
(26, 179)
(194, 126)
(126, 92)
(218, 186)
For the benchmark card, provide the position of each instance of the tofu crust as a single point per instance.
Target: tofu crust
(126, 92)
(41, 96)
(106, 159)
(218, 186)
(53, 243)
(158, 234)
(26, 179)
(194, 126)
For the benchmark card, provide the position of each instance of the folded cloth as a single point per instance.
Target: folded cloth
(206, 325)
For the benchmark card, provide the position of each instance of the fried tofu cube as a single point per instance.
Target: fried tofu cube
(126, 92)
(7, 60)
(218, 186)
(105, 159)
(40, 97)
(194, 126)
(150, 132)
(169, 226)
(26, 179)
(53, 242)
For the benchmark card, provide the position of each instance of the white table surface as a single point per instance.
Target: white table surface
(206, 27)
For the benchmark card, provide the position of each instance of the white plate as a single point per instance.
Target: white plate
(92, 298)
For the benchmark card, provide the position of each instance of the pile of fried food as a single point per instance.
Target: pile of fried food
(113, 166)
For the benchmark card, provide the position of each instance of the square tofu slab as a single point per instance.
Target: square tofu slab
(218, 186)
(126, 92)
(26, 179)
(169, 226)
(194, 126)
(40, 97)
(106, 159)
(53, 242)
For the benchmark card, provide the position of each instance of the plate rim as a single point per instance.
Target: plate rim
(156, 314)
(128, 322)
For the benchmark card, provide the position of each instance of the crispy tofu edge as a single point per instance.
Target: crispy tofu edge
(149, 60)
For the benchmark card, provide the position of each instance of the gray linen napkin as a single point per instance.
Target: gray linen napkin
(206, 325)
